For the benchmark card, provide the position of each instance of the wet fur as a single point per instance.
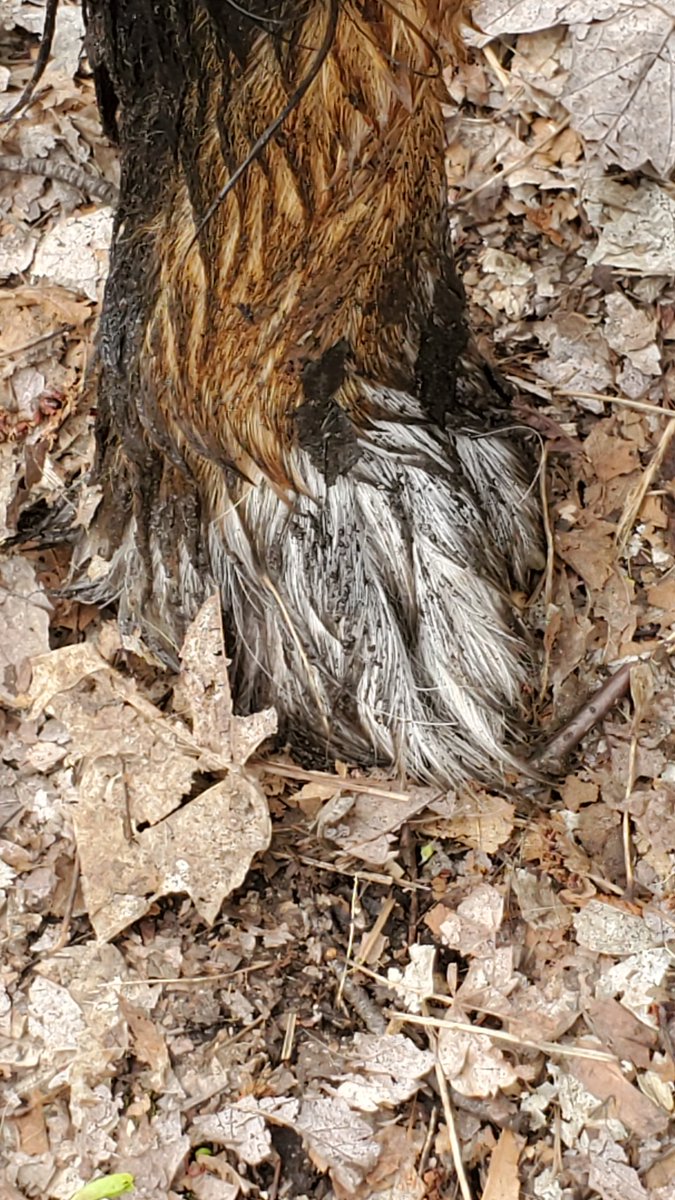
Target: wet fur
(289, 405)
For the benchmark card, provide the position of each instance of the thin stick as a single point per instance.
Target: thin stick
(342, 783)
(500, 1035)
(426, 1148)
(449, 1115)
(39, 341)
(68, 913)
(634, 504)
(350, 944)
(44, 51)
(622, 401)
(504, 172)
(91, 185)
(600, 703)
(406, 885)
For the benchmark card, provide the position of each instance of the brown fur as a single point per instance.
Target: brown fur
(297, 362)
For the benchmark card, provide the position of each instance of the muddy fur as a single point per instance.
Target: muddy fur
(289, 404)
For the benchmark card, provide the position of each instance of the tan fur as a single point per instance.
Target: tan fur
(332, 220)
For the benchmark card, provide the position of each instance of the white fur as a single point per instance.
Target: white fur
(373, 613)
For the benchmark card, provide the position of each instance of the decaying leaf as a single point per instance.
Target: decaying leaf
(473, 927)
(136, 769)
(636, 225)
(621, 73)
(240, 1127)
(383, 1071)
(539, 903)
(609, 929)
(24, 621)
(606, 1081)
(338, 1139)
(502, 1182)
(415, 984)
(474, 818)
(472, 1064)
(365, 825)
(75, 253)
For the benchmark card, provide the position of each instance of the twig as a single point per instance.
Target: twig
(405, 885)
(622, 401)
(343, 783)
(426, 1148)
(642, 690)
(353, 908)
(634, 502)
(449, 1115)
(504, 172)
(91, 185)
(600, 703)
(39, 341)
(289, 1036)
(364, 1007)
(500, 1035)
(62, 939)
(41, 61)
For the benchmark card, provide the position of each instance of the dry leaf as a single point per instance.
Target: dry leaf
(137, 765)
(24, 620)
(337, 1139)
(622, 56)
(472, 929)
(203, 694)
(472, 1064)
(609, 1174)
(608, 929)
(240, 1127)
(620, 1031)
(415, 984)
(502, 1181)
(625, 1103)
(383, 1071)
(477, 819)
(637, 225)
(74, 254)
(539, 903)
(364, 825)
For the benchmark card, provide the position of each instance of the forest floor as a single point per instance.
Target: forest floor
(403, 994)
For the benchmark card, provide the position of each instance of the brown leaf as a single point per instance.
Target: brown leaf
(502, 1181)
(623, 1101)
(203, 694)
(478, 819)
(620, 1031)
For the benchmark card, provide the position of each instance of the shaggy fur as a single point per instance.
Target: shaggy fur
(289, 407)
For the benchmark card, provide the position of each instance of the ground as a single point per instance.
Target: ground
(402, 993)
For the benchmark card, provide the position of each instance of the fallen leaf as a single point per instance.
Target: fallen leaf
(383, 1071)
(239, 1127)
(620, 1031)
(471, 1064)
(478, 819)
(137, 765)
(622, 58)
(415, 984)
(608, 929)
(502, 1181)
(606, 1081)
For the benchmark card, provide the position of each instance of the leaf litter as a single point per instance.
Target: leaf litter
(403, 994)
